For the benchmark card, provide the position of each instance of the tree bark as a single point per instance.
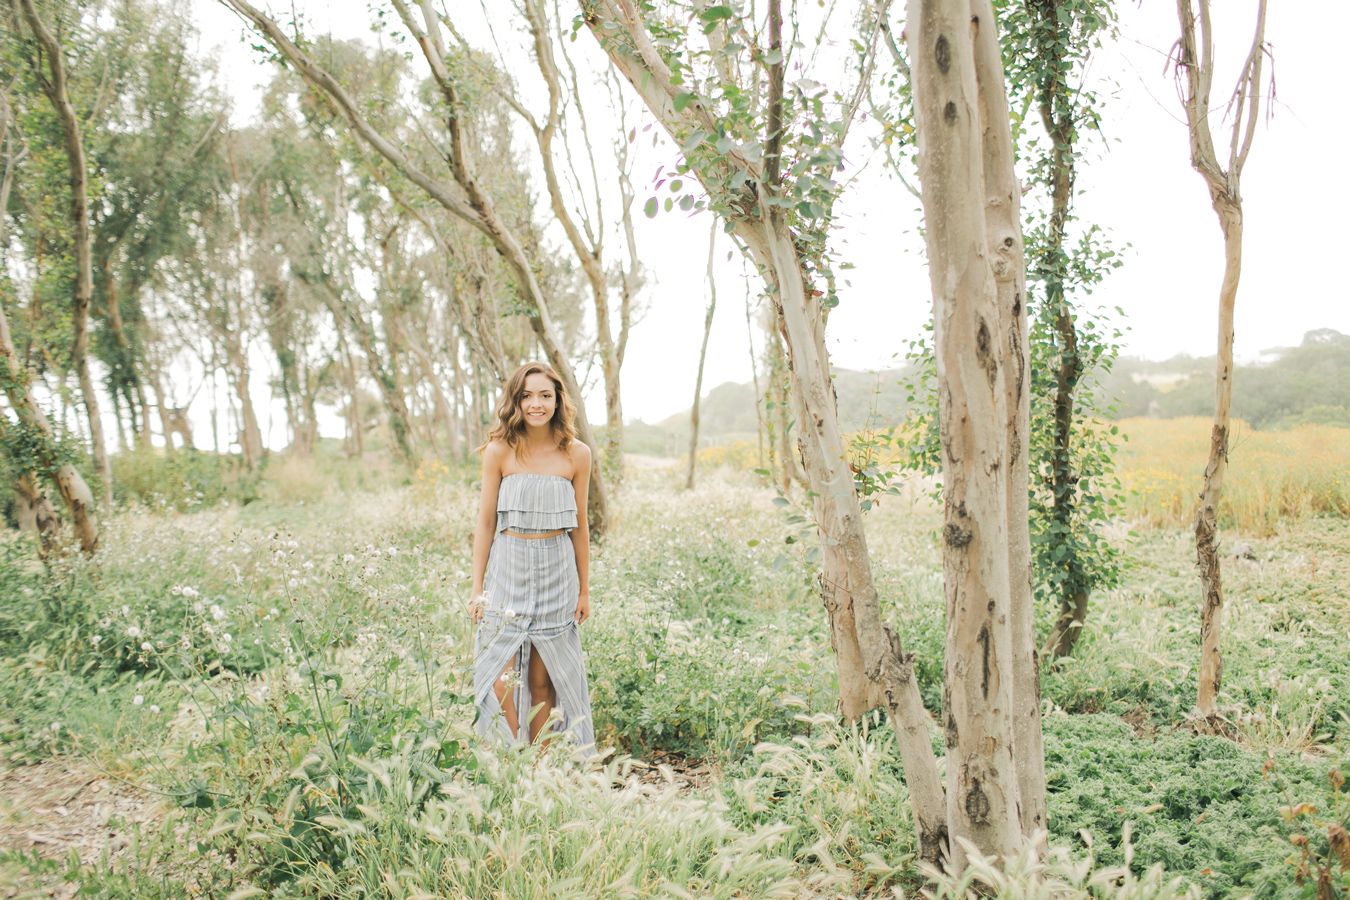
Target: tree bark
(57, 93)
(983, 803)
(702, 356)
(1006, 253)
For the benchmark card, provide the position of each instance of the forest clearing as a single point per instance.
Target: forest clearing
(340, 559)
(705, 652)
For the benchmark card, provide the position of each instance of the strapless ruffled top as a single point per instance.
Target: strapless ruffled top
(527, 502)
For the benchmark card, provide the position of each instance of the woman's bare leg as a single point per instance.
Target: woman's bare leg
(542, 693)
(504, 688)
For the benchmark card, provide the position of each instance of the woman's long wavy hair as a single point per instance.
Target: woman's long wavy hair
(510, 425)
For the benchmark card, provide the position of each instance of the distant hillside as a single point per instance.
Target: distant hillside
(727, 412)
(1307, 384)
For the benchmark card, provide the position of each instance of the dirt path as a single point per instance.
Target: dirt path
(57, 806)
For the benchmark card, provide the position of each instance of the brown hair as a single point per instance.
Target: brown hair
(510, 425)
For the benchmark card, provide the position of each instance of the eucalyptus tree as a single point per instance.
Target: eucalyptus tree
(30, 450)
(46, 57)
(767, 154)
(973, 234)
(463, 196)
(1194, 61)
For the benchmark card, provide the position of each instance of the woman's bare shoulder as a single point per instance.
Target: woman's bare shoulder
(580, 455)
(495, 454)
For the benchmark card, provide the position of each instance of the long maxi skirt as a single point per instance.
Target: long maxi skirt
(532, 588)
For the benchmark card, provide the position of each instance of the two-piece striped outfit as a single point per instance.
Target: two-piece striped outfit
(532, 588)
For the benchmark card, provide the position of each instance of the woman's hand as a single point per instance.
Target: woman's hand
(583, 608)
(477, 605)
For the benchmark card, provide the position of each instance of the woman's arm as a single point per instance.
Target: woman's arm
(493, 455)
(581, 535)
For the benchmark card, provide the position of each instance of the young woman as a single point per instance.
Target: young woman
(530, 561)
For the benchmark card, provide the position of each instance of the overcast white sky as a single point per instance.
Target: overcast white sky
(1143, 190)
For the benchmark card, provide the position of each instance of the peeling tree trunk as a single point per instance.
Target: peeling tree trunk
(1003, 233)
(55, 88)
(983, 804)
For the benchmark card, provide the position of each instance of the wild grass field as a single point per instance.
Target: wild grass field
(284, 687)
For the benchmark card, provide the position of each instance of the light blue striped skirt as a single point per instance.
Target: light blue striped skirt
(532, 589)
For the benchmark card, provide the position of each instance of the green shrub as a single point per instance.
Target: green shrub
(1198, 805)
(183, 481)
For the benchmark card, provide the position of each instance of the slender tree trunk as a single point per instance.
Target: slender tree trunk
(444, 414)
(983, 803)
(79, 216)
(754, 378)
(1195, 63)
(1003, 231)
(702, 356)
(157, 382)
(1207, 515)
(250, 435)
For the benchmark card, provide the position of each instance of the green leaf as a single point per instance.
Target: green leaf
(687, 202)
(682, 100)
(676, 185)
(650, 207)
(716, 13)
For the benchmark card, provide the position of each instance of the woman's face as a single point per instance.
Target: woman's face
(539, 400)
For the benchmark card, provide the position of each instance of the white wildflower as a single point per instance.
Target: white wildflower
(217, 613)
(147, 646)
(56, 726)
(347, 557)
(133, 631)
(96, 640)
(227, 637)
(126, 610)
(154, 708)
(138, 700)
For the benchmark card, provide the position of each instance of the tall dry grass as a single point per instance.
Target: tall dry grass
(1272, 475)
